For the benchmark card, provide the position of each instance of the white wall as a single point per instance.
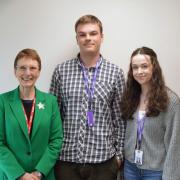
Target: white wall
(48, 27)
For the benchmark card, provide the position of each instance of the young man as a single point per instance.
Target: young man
(89, 90)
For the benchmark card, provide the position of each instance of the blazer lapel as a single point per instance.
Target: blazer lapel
(16, 106)
(39, 111)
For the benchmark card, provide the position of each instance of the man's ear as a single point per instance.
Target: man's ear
(77, 39)
(102, 37)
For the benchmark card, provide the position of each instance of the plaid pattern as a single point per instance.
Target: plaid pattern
(84, 144)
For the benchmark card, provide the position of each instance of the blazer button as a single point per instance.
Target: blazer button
(29, 153)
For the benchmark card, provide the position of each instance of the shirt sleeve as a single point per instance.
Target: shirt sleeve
(118, 122)
(55, 84)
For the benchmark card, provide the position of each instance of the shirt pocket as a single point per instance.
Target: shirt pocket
(72, 92)
(103, 92)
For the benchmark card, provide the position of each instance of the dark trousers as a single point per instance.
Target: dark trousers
(74, 171)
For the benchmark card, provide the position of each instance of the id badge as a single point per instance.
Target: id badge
(90, 118)
(138, 157)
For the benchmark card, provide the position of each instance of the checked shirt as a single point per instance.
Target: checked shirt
(84, 144)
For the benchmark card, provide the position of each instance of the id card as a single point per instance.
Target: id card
(90, 118)
(138, 157)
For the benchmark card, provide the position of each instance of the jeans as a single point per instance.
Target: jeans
(132, 172)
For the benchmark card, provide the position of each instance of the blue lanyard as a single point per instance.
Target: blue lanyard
(140, 128)
(90, 90)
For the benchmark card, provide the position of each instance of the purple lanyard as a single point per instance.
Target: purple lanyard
(140, 127)
(90, 90)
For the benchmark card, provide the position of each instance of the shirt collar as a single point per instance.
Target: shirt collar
(79, 61)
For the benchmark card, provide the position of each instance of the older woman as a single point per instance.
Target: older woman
(152, 111)
(30, 125)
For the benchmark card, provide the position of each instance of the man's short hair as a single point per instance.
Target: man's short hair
(88, 19)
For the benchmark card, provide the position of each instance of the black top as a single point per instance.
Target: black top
(27, 107)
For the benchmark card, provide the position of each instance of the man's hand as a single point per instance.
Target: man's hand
(119, 162)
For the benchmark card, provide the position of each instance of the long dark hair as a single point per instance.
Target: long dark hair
(158, 97)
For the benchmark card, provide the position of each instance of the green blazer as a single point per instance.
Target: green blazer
(20, 153)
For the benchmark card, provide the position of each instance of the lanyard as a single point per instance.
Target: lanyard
(140, 127)
(29, 122)
(90, 90)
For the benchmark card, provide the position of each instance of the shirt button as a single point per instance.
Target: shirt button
(29, 153)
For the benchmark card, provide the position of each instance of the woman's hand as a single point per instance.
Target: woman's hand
(37, 174)
(29, 176)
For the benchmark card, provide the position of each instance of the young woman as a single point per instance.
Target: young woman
(152, 111)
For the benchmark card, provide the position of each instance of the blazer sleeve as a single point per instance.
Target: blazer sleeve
(52, 151)
(8, 163)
